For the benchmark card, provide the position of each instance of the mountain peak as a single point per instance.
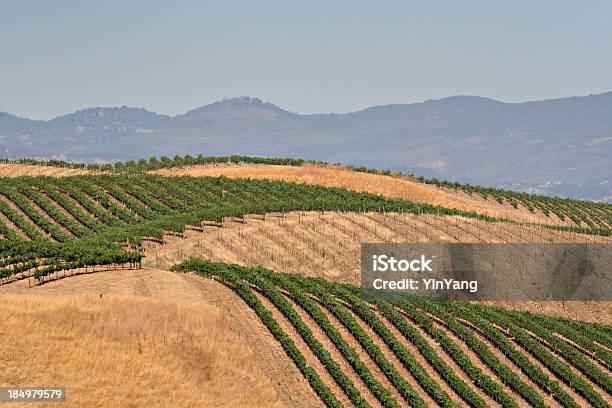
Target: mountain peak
(109, 116)
(242, 107)
(245, 100)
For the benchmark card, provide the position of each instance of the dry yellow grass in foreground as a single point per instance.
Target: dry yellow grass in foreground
(125, 351)
(336, 176)
(18, 170)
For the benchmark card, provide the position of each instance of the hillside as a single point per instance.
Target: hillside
(420, 354)
(328, 246)
(55, 224)
(24, 170)
(399, 187)
(352, 352)
(191, 341)
(81, 259)
(487, 201)
(555, 147)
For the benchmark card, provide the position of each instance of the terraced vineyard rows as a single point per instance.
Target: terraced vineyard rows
(71, 207)
(579, 213)
(111, 215)
(315, 243)
(350, 349)
(421, 353)
(582, 213)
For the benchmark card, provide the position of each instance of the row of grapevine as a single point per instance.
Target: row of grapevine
(38, 259)
(591, 215)
(120, 208)
(465, 321)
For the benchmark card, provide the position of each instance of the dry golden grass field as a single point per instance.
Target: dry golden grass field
(152, 339)
(18, 170)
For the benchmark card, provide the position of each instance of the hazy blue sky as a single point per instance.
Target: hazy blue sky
(312, 56)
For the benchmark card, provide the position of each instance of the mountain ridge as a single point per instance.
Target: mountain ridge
(258, 101)
(557, 146)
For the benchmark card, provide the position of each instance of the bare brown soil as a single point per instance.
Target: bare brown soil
(337, 176)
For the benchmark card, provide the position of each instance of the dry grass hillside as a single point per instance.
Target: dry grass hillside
(144, 339)
(18, 170)
(336, 176)
(165, 339)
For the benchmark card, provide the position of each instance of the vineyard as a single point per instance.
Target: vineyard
(593, 215)
(421, 353)
(327, 244)
(520, 206)
(53, 224)
(349, 350)
(555, 210)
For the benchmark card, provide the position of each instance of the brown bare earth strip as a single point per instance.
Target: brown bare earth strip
(46, 216)
(403, 231)
(12, 226)
(320, 335)
(384, 226)
(311, 359)
(332, 260)
(280, 261)
(19, 170)
(308, 261)
(548, 399)
(399, 366)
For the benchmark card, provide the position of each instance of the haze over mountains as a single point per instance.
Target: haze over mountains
(557, 147)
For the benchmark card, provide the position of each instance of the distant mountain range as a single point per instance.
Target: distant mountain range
(557, 147)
